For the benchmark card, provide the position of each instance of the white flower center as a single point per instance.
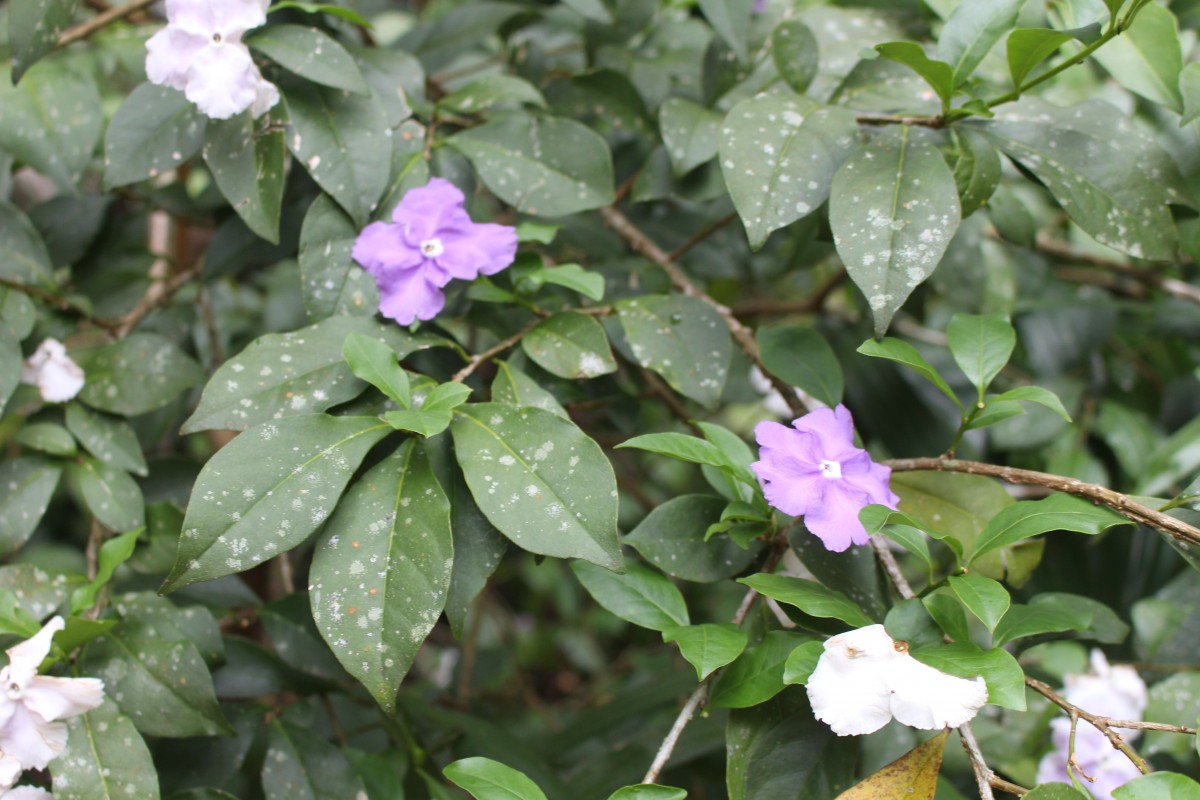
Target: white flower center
(432, 248)
(216, 38)
(830, 469)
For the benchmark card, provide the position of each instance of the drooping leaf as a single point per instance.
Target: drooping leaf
(139, 373)
(689, 131)
(1146, 58)
(913, 775)
(640, 595)
(266, 491)
(543, 165)
(34, 28)
(155, 130)
(802, 357)
(1031, 517)
(309, 53)
(904, 353)
(540, 480)
(485, 779)
(810, 597)
(779, 156)
(893, 208)
(570, 345)
(708, 647)
(105, 759)
(247, 162)
(382, 570)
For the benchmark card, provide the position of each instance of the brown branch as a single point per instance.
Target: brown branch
(1120, 503)
(806, 305)
(1007, 786)
(157, 295)
(700, 236)
(1100, 723)
(1133, 724)
(57, 301)
(900, 119)
(1045, 243)
(104, 18)
(672, 402)
(479, 358)
(742, 335)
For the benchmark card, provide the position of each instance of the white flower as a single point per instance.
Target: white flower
(200, 52)
(32, 704)
(864, 678)
(57, 377)
(26, 793)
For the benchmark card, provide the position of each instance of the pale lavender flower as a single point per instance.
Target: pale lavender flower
(814, 470)
(31, 705)
(52, 371)
(430, 241)
(200, 52)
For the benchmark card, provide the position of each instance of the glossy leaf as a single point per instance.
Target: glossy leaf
(893, 208)
(485, 779)
(1004, 678)
(300, 764)
(1147, 58)
(255, 498)
(985, 598)
(105, 759)
(140, 373)
(639, 595)
(682, 339)
(707, 647)
(247, 162)
(648, 791)
(1028, 47)
(332, 283)
(570, 345)
(155, 130)
(1031, 517)
(309, 53)
(971, 31)
(810, 597)
(671, 537)
(540, 480)
(516, 388)
(802, 661)
(981, 346)
(374, 362)
(904, 353)
(757, 674)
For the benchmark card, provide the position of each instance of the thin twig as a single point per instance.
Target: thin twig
(742, 335)
(700, 236)
(1100, 723)
(1120, 503)
(479, 358)
(86, 29)
(901, 119)
(57, 301)
(1045, 243)
(158, 294)
(892, 568)
(672, 402)
(1007, 786)
(1133, 724)
(806, 305)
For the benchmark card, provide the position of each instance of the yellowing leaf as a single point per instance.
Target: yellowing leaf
(912, 775)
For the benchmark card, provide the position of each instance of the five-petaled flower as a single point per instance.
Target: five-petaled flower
(200, 52)
(430, 241)
(814, 470)
(52, 371)
(32, 706)
(864, 678)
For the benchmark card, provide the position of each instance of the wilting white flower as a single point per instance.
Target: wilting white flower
(864, 678)
(57, 377)
(32, 704)
(1113, 692)
(200, 52)
(26, 793)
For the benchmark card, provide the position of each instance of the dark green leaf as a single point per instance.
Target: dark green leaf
(53, 120)
(1029, 518)
(648, 791)
(757, 675)
(938, 74)
(893, 208)
(972, 30)
(981, 346)
(485, 779)
(707, 647)
(332, 283)
(309, 53)
(110, 439)
(731, 20)
(139, 373)
(105, 759)
(248, 166)
(810, 597)
(323, 8)
(517, 389)
(491, 90)
(904, 353)
(987, 599)
(300, 764)
(801, 663)
(23, 256)
(266, 491)
(46, 437)
(640, 595)
(801, 356)
(671, 537)
(1004, 678)
(1159, 786)
(572, 276)
(26, 485)
(155, 130)
(375, 362)
(1033, 394)
(34, 28)
(540, 480)
(689, 131)
(796, 53)
(570, 345)
(976, 170)
(682, 339)
(108, 493)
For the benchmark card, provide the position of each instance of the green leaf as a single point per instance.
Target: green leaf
(1003, 675)
(893, 208)
(1120, 202)
(283, 375)
(53, 120)
(708, 647)
(517, 389)
(938, 74)
(483, 93)
(689, 132)
(193, 623)
(309, 53)
(671, 537)
(266, 491)
(543, 165)
(113, 553)
(780, 751)
(10, 368)
(757, 675)
(323, 8)
(540, 480)
(731, 20)
(690, 448)
(1159, 786)
(37, 592)
(23, 256)
(485, 779)
(682, 339)
(1032, 517)
(1033, 394)
(248, 165)
(640, 595)
(105, 759)
(444, 397)
(986, 598)
(382, 569)
(300, 764)
(976, 170)
(572, 276)
(109, 439)
(779, 155)
(1035, 619)
(570, 345)
(330, 280)
(801, 663)
(648, 791)
(375, 362)
(1056, 791)
(954, 502)
(1189, 89)
(140, 373)
(801, 356)
(1147, 58)
(981, 345)
(155, 130)
(810, 597)
(542, 233)
(1028, 47)
(47, 437)
(911, 539)
(34, 28)
(796, 53)
(341, 139)
(904, 353)
(972, 30)
(947, 611)
(108, 493)
(158, 680)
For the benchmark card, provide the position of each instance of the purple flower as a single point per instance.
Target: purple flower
(815, 471)
(430, 241)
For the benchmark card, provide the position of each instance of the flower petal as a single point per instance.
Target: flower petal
(478, 249)
(223, 80)
(407, 295)
(381, 249)
(929, 699)
(58, 698)
(25, 658)
(428, 209)
(27, 793)
(850, 699)
(10, 770)
(32, 740)
(169, 56)
(835, 519)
